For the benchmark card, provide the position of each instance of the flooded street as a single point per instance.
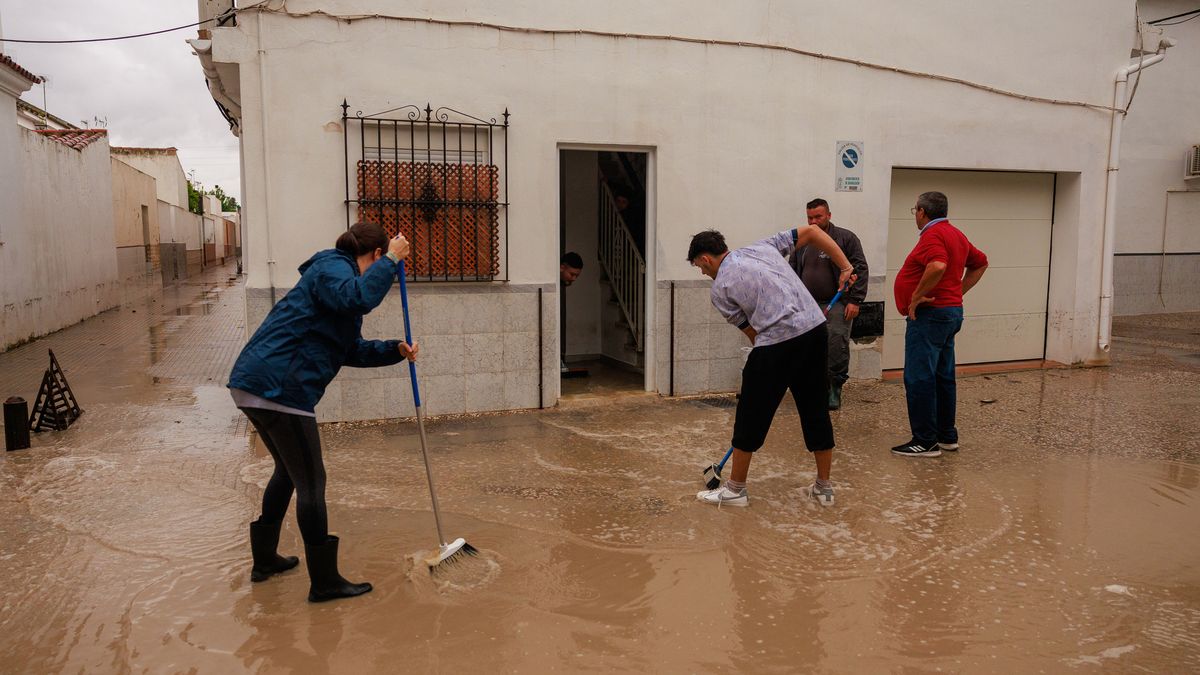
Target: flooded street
(1061, 537)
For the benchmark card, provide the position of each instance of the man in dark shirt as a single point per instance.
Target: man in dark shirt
(820, 277)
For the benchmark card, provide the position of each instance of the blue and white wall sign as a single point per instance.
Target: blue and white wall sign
(849, 166)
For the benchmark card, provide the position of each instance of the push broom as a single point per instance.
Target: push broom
(448, 553)
(712, 474)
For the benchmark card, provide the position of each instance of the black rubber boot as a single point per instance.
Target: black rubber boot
(324, 581)
(264, 539)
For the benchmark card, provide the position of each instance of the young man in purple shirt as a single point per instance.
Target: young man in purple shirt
(756, 290)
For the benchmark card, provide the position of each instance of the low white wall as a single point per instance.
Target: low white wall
(179, 226)
(59, 254)
(134, 198)
(170, 181)
(479, 351)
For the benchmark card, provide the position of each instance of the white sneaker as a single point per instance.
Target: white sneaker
(824, 497)
(724, 495)
(948, 447)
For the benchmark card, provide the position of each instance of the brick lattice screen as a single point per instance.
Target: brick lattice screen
(449, 212)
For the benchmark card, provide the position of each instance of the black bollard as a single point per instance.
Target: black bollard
(16, 424)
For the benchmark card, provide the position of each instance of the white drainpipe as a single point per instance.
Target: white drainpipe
(1110, 201)
(266, 156)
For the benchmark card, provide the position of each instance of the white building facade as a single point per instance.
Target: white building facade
(1157, 265)
(716, 115)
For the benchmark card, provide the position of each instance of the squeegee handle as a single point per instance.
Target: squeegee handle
(724, 459)
(412, 366)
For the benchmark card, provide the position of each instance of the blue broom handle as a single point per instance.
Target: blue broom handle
(836, 296)
(724, 459)
(412, 366)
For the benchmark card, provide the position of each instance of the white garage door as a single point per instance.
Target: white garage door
(1007, 215)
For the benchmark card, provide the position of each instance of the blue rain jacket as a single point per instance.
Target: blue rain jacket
(315, 330)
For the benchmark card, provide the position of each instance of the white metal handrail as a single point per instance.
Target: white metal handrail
(623, 263)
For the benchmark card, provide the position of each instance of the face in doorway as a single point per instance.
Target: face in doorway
(819, 217)
(708, 264)
(568, 274)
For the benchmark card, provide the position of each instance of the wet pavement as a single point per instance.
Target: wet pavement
(1060, 538)
(596, 381)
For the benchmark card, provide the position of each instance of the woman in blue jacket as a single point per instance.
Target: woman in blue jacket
(282, 373)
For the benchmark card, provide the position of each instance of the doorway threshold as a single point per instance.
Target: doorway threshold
(604, 381)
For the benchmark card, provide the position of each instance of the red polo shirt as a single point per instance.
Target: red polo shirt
(938, 241)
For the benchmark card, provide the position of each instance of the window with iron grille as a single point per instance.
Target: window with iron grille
(440, 178)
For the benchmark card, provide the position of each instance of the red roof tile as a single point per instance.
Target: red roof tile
(6, 60)
(74, 138)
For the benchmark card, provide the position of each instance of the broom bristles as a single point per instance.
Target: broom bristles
(450, 554)
(712, 477)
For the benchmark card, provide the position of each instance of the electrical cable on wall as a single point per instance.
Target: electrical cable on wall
(110, 39)
(1141, 49)
(674, 38)
(350, 18)
(219, 19)
(1191, 14)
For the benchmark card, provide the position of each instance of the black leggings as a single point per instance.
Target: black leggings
(295, 446)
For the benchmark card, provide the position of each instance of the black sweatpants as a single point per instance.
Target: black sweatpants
(295, 446)
(798, 364)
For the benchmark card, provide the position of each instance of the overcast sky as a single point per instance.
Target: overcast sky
(151, 90)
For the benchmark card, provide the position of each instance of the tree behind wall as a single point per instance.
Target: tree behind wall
(228, 203)
(196, 194)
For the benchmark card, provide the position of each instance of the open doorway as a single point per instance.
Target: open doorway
(603, 200)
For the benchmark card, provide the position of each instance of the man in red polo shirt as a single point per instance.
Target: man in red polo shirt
(929, 289)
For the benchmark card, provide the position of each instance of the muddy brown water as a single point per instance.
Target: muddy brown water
(1061, 537)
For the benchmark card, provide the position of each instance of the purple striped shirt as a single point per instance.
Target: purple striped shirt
(755, 285)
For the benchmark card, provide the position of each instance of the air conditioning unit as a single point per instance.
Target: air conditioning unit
(1191, 164)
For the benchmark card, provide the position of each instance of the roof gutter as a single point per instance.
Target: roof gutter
(231, 108)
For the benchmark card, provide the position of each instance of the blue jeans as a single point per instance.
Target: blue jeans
(929, 373)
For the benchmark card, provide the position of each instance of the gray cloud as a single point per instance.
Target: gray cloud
(151, 89)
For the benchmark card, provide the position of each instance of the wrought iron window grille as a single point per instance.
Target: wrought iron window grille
(440, 177)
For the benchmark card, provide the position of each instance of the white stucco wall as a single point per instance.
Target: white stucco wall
(59, 254)
(1157, 210)
(179, 233)
(133, 191)
(179, 226)
(170, 181)
(12, 204)
(214, 224)
(740, 137)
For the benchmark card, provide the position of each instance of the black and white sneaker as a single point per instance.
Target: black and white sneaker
(948, 447)
(915, 449)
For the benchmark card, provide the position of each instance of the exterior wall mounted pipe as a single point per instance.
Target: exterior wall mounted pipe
(1120, 102)
(266, 155)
